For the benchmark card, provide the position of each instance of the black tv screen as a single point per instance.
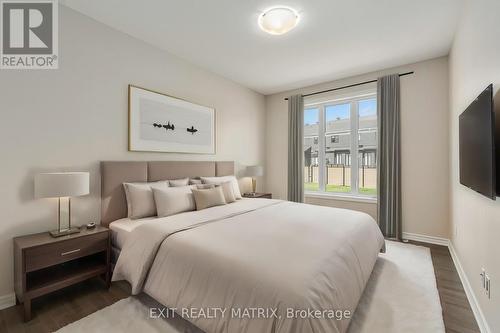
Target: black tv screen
(477, 145)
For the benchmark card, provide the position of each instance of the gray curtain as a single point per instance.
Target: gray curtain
(389, 157)
(295, 148)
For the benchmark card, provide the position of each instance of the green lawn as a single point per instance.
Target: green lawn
(339, 189)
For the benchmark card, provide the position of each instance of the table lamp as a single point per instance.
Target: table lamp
(62, 185)
(254, 171)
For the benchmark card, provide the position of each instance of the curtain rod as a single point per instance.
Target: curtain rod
(348, 86)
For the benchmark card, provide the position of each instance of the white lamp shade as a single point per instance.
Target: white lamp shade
(255, 171)
(61, 184)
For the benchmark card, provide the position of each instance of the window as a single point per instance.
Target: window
(340, 146)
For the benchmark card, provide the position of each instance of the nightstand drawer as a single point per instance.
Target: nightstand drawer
(56, 253)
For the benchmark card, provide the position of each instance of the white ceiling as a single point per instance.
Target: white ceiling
(334, 39)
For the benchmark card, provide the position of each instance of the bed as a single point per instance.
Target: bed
(256, 265)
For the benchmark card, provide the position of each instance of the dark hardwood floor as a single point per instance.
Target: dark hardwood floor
(457, 313)
(53, 311)
(56, 310)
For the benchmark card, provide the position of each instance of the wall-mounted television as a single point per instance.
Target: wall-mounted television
(477, 145)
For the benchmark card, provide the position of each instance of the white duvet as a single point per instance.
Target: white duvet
(257, 265)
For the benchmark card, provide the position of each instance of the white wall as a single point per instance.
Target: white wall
(475, 220)
(71, 118)
(424, 146)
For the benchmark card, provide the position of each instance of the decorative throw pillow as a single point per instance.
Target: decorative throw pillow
(227, 189)
(208, 198)
(204, 186)
(220, 180)
(140, 200)
(179, 182)
(173, 200)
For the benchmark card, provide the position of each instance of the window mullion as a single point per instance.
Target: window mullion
(354, 148)
(321, 149)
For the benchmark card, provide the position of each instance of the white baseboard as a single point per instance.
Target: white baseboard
(7, 301)
(426, 239)
(471, 297)
(474, 304)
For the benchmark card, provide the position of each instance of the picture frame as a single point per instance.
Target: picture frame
(163, 123)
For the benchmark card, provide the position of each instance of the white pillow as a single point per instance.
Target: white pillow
(220, 180)
(209, 198)
(227, 189)
(179, 182)
(204, 186)
(173, 200)
(140, 200)
(195, 181)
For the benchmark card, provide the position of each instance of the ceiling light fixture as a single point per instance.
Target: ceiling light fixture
(278, 20)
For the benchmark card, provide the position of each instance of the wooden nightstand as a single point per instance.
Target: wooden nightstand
(43, 264)
(258, 195)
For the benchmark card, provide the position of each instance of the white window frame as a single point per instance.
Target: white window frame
(353, 100)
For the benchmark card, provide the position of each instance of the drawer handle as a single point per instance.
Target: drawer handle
(69, 252)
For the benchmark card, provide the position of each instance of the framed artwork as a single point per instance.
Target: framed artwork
(162, 123)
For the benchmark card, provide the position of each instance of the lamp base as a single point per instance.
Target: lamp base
(64, 232)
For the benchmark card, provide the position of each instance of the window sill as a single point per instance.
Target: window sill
(341, 197)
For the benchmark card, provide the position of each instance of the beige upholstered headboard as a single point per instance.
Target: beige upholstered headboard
(115, 173)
